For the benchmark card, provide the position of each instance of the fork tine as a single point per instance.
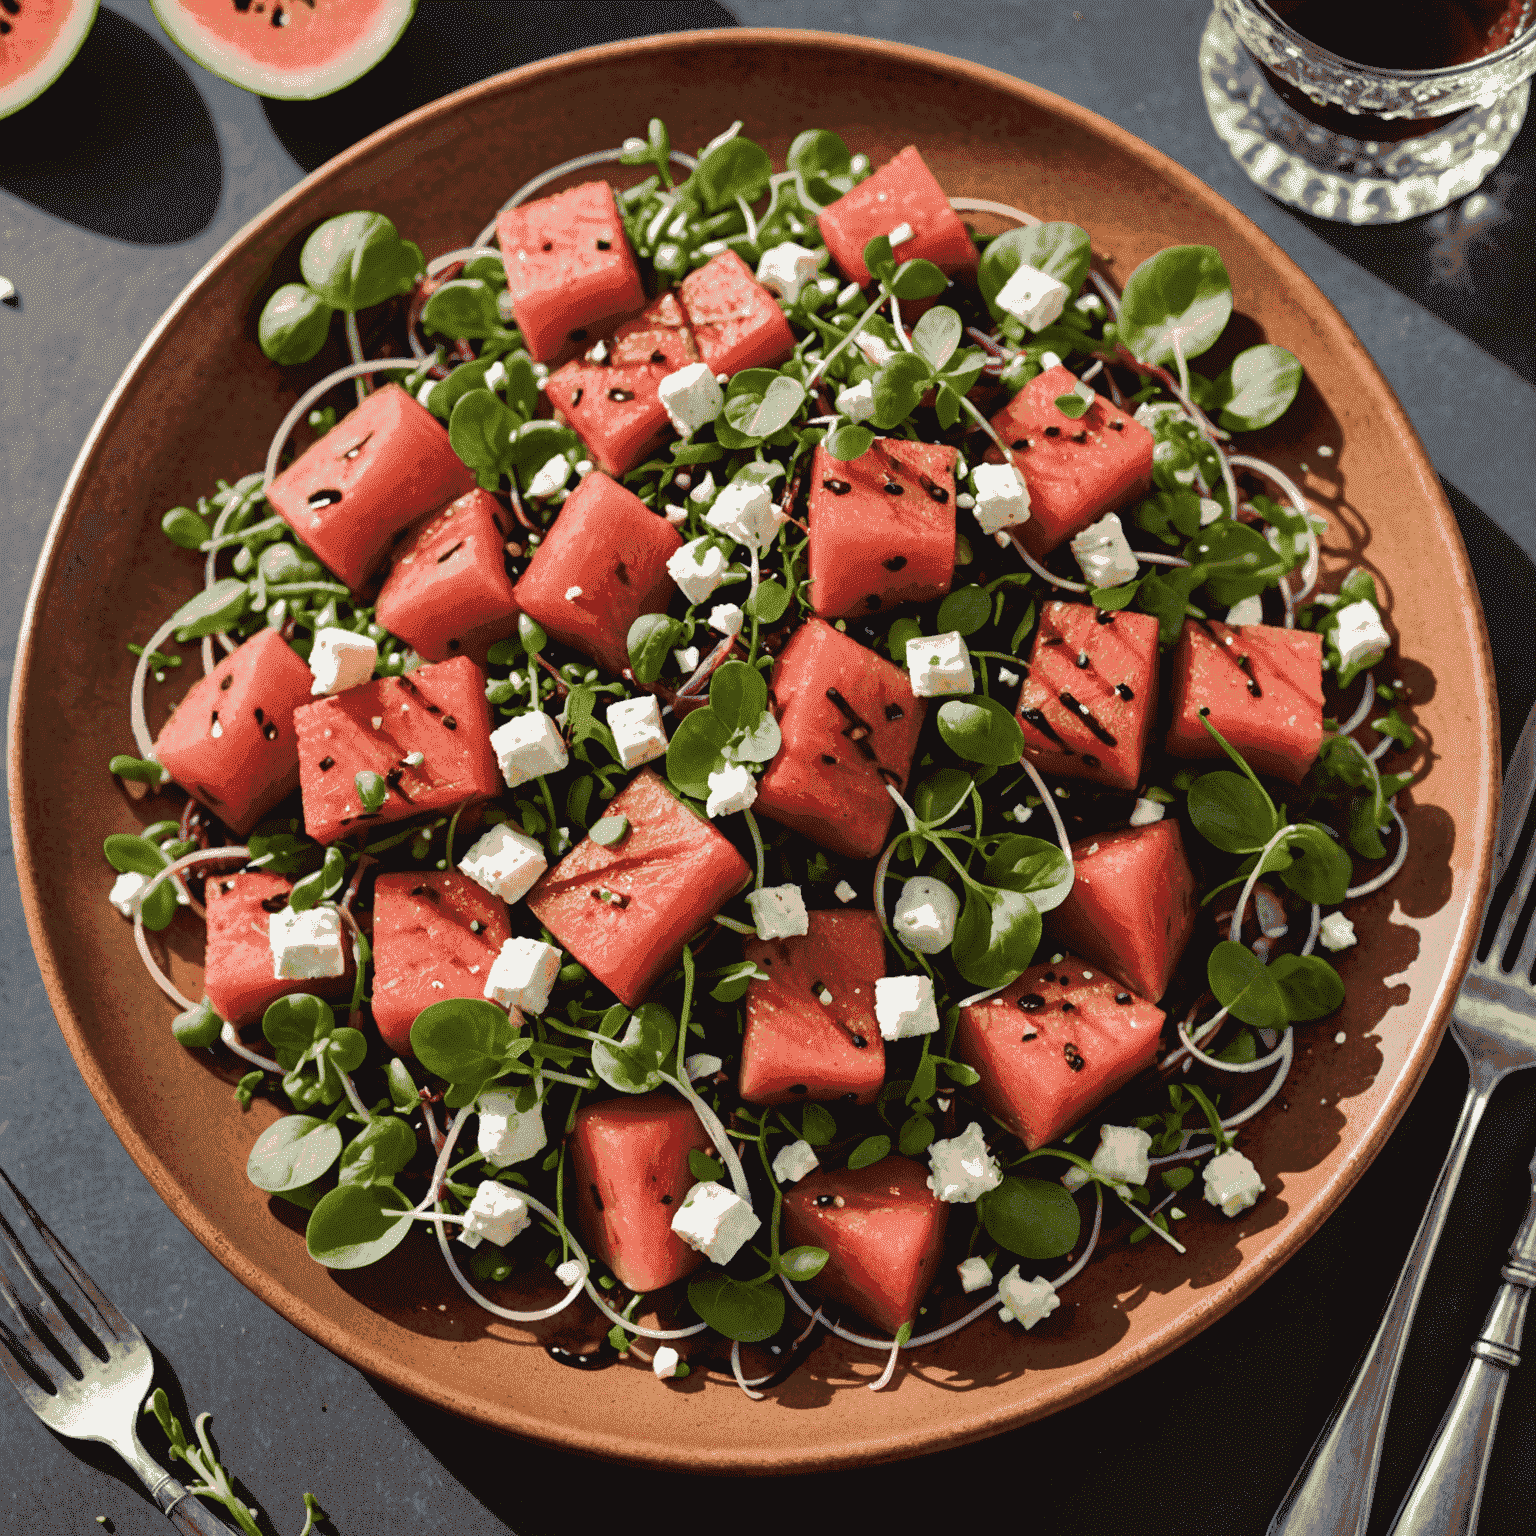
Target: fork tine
(31, 1394)
(1519, 786)
(1518, 897)
(24, 1343)
(63, 1334)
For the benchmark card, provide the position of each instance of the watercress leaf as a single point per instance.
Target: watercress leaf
(937, 334)
(1167, 514)
(760, 744)
(770, 413)
(737, 695)
(536, 443)
(1033, 866)
(966, 609)
(465, 1039)
(650, 642)
(996, 936)
(897, 636)
(803, 1263)
(1243, 985)
(488, 269)
(356, 1225)
(1310, 986)
(916, 1136)
(129, 854)
(480, 431)
(981, 730)
(214, 609)
(1183, 292)
(294, 324)
(924, 1080)
(462, 309)
(403, 1093)
(578, 798)
(946, 405)
(141, 770)
(818, 152)
(1113, 599)
(1034, 1218)
(940, 795)
(1242, 1049)
(291, 1153)
(293, 1024)
(918, 279)
(1257, 388)
(307, 892)
(1165, 595)
(958, 1072)
(1364, 829)
(697, 453)
(197, 1026)
(357, 260)
(703, 1167)
(633, 1063)
(817, 1125)
(346, 1049)
(609, 831)
(1062, 251)
(769, 603)
(848, 442)
(443, 396)
(697, 749)
(899, 384)
(334, 870)
(736, 168)
(1231, 813)
(279, 852)
(869, 1151)
(1321, 870)
(879, 259)
(747, 1313)
(379, 1151)
(1182, 1178)
(1239, 561)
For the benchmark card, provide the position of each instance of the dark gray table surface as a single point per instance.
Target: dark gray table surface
(114, 189)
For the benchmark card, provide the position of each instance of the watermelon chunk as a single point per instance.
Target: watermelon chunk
(850, 725)
(1261, 687)
(1132, 907)
(237, 961)
(673, 871)
(607, 543)
(798, 1047)
(737, 323)
(231, 741)
(629, 1173)
(902, 191)
(884, 1240)
(424, 950)
(659, 338)
(377, 470)
(570, 270)
(1090, 693)
(448, 592)
(882, 527)
(1076, 470)
(1054, 1044)
(439, 711)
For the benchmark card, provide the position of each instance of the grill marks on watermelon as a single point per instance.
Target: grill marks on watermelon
(737, 323)
(1090, 693)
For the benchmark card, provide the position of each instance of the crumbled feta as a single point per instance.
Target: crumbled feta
(1049, 360)
(1089, 304)
(940, 664)
(691, 397)
(704, 492)
(505, 861)
(1104, 554)
(876, 352)
(779, 912)
(962, 1168)
(1247, 610)
(1122, 1154)
(900, 235)
(975, 1275)
(1002, 497)
(744, 510)
(1026, 1301)
(688, 659)
(1033, 296)
(904, 1007)
(726, 619)
(846, 295)
(792, 1163)
(857, 401)
(1145, 812)
(702, 1064)
(1340, 1038)
(926, 913)
(341, 659)
(697, 568)
(523, 975)
(1360, 635)
(1210, 512)
(665, 1362)
(570, 1273)
(844, 892)
(677, 516)
(786, 269)
(527, 747)
(1075, 1177)
(127, 889)
(1337, 932)
(306, 946)
(1006, 678)
(1232, 1182)
(550, 476)
(826, 286)
(496, 1214)
(731, 789)
(637, 730)
(715, 1221)
(504, 1136)
(572, 593)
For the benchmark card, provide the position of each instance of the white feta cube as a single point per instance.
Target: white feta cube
(1145, 812)
(975, 1275)
(505, 861)
(926, 913)
(697, 568)
(939, 665)
(704, 492)
(637, 729)
(677, 516)
(779, 912)
(1002, 497)
(962, 1170)
(1075, 1178)
(126, 890)
(1122, 1154)
(1049, 360)
(1026, 1301)
(857, 401)
(1006, 678)
(496, 375)
(665, 1362)
(731, 789)
(702, 1064)
(792, 1163)
(786, 268)
(1337, 932)
(904, 1007)
(691, 397)
(744, 510)
(570, 1273)
(1248, 610)
(900, 235)
(523, 974)
(688, 659)
(877, 352)
(550, 476)
(844, 892)
(306, 946)
(715, 1221)
(1360, 636)
(341, 659)
(504, 1136)
(1089, 304)
(1104, 554)
(726, 619)
(496, 1214)
(527, 747)
(1232, 1182)
(1033, 296)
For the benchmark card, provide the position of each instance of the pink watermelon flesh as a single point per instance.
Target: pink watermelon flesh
(1132, 907)
(1090, 693)
(798, 1047)
(439, 711)
(1054, 1044)
(376, 471)
(38, 38)
(1261, 687)
(629, 1174)
(424, 950)
(884, 1241)
(672, 873)
(231, 742)
(737, 323)
(882, 527)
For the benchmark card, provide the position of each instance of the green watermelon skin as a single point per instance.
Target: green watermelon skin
(737, 323)
(884, 1242)
(375, 472)
(1086, 657)
(1132, 907)
(1025, 1055)
(841, 804)
(882, 527)
(424, 950)
(629, 1174)
(1270, 710)
(439, 711)
(797, 1048)
(231, 742)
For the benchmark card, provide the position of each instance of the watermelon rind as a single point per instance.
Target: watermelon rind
(43, 71)
(304, 81)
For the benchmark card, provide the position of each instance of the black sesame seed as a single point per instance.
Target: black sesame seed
(269, 730)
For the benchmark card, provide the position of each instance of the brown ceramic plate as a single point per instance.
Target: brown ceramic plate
(200, 401)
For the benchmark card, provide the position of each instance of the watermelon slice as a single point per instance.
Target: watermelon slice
(1132, 906)
(882, 527)
(798, 1046)
(737, 323)
(1056, 1042)
(377, 470)
(38, 40)
(612, 550)
(625, 910)
(883, 1230)
(424, 947)
(1261, 687)
(629, 1173)
(438, 711)
(1076, 469)
(850, 725)
(1090, 693)
(448, 592)
(231, 742)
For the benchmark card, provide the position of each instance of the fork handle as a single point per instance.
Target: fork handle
(186, 1512)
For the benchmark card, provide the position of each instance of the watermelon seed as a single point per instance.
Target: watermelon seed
(658, 356)
(353, 452)
(1122, 998)
(860, 1043)
(892, 489)
(1105, 616)
(269, 730)
(798, 1088)
(1124, 690)
(666, 1199)
(837, 487)
(448, 554)
(1033, 1034)
(450, 722)
(828, 758)
(326, 764)
(1069, 1007)
(823, 1201)
(1082, 659)
(1053, 431)
(1050, 640)
(895, 712)
(895, 563)
(548, 245)
(1117, 425)
(274, 903)
(605, 245)
(226, 682)
(1031, 1002)
(576, 396)
(1073, 1056)
(621, 395)
(1044, 726)
(579, 334)
(1089, 760)
(935, 492)
(324, 498)
(1079, 437)
(260, 715)
(1021, 443)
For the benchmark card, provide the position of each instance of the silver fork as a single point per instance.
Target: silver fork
(1494, 1023)
(85, 1378)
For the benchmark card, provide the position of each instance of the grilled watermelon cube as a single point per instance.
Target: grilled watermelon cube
(1076, 470)
(850, 724)
(882, 527)
(1052, 1045)
(448, 592)
(883, 1230)
(737, 323)
(796, 1046)
(903, 191)
(629, 1173)
(231, 741)
(611, 546)
(426, 948)
(570, 270)
(624, 911)
(377, 470)
(1090, 693)
(1132, 906)
(1261, 687)
(438, 711)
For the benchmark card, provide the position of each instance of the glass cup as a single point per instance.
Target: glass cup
(1360, 143)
